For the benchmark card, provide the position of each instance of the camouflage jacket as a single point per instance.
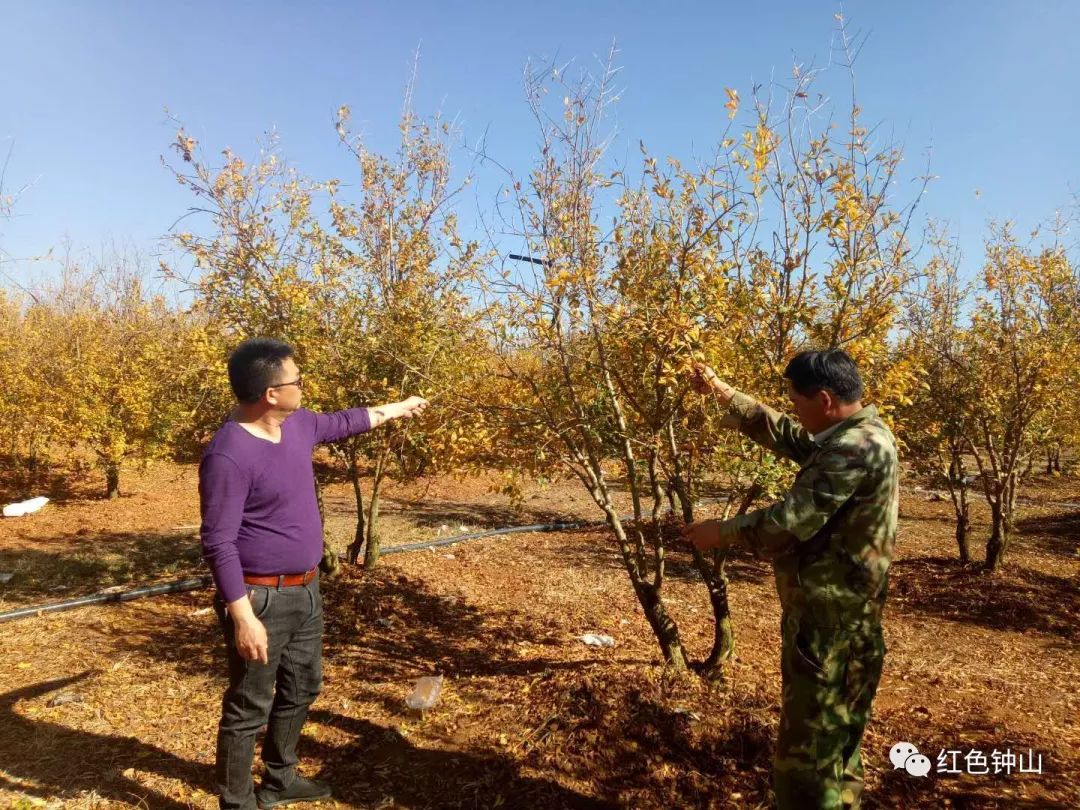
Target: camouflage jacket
(831, 538)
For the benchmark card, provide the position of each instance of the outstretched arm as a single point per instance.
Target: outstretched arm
(406, 409)
(771, 429)
(329, 427)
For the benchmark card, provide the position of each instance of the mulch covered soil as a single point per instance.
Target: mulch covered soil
(117, 705)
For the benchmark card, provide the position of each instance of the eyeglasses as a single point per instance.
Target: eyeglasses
(298, 382)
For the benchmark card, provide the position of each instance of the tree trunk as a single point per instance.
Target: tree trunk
(360, 535)
(648, 593)
(371, 549)
(329, 564)
(112, 479)
(669, 491)
(679, 482)
(716, 581)
(751, 495)
(711, 571)
(958, 492)
(963, 526)
(999, 537)
(32, 459)
(663, 626)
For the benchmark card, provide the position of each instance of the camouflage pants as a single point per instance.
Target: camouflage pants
(830, 676)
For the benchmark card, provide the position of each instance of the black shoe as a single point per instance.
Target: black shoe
(301, 790)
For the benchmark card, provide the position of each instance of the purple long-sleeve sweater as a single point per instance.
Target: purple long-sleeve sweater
(259, 510)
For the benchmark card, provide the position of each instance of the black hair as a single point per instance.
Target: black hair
(832, 370)
(255, 365)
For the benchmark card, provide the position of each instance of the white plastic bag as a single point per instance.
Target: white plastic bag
(597, 640)
(426, 693)
(25, 507)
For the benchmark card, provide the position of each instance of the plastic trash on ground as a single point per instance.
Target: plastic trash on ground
(6, 576)
(687, 713)
(426, 694)
(597, 640)
(65, 697)
(25, 507)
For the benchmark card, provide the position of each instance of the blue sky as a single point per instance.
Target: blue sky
(990, 86)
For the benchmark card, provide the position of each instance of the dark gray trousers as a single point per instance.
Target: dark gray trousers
(277, 694)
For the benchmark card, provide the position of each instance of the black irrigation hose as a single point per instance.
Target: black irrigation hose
(449, 541)
(177, 586)
(182, 585)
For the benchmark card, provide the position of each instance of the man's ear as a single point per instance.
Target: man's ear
(826, 399)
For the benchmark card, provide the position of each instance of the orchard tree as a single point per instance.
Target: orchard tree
(25, 349)
(829, 256)
(203, 389)
(370, 292)
(1023, 331)
(265, 267)
(821, 261)
(786, 236)
(559, 407)
(597, 331)
(1062, 422)
(407, 324)
(938, 419)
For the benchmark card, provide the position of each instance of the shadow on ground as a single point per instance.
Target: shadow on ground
(20, 481)
(381, 768)
(1016, 598)
(640, 749)
(91, 562)
(1058, 534)
(61, 762)
(386, 626)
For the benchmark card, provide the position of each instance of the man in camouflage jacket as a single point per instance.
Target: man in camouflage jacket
(831, 540)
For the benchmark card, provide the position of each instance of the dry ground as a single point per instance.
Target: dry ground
(530, 717)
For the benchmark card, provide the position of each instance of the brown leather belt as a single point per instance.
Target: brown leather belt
(282, 580)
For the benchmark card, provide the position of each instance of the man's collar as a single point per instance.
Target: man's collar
(861, 415)
(819, 438)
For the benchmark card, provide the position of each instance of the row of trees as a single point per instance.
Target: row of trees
(92, 361)
(998, 356)
(575, 360)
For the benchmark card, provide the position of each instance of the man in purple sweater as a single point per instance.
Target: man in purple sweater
(262, 537)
